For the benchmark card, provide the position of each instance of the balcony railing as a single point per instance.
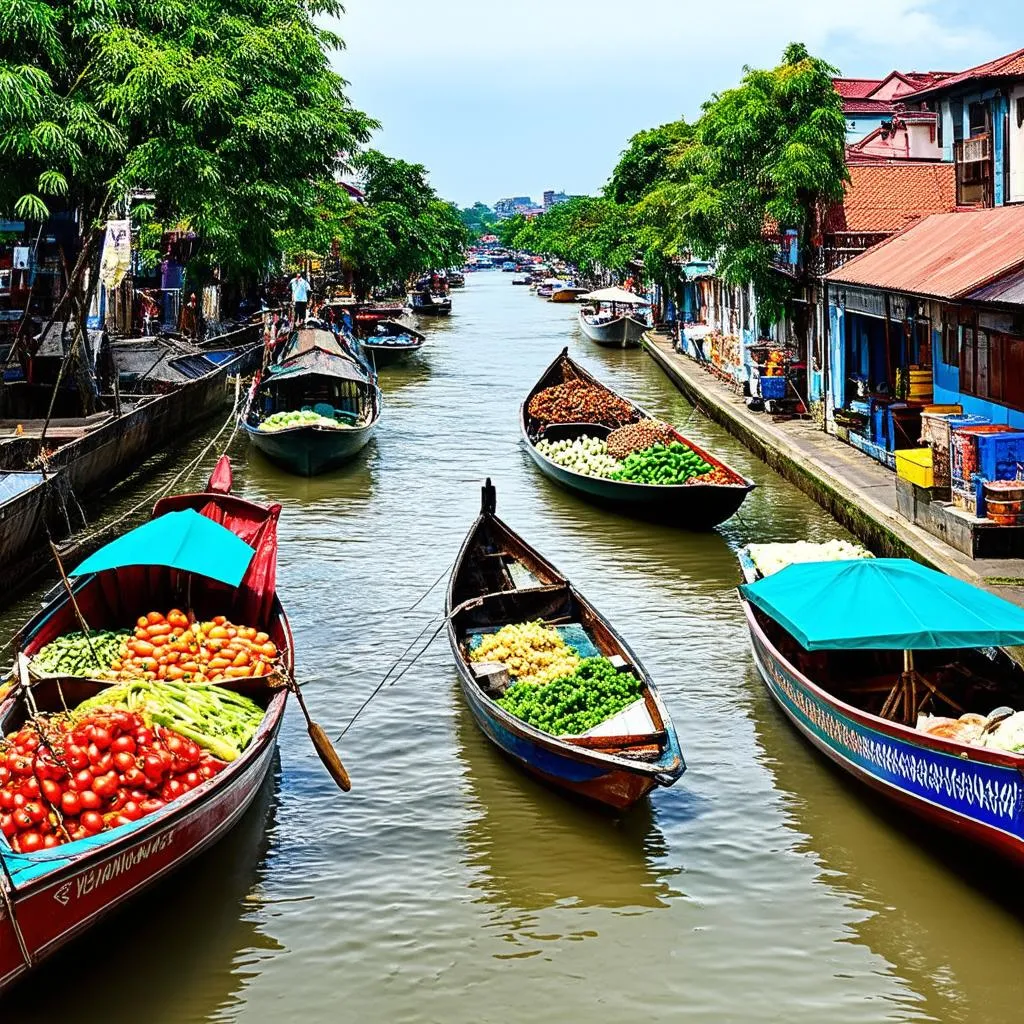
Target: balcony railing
(974, 150)
(974, 171)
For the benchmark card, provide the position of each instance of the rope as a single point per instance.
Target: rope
(423, 596)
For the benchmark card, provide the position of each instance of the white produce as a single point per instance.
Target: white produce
(770, 558)
(586, 455)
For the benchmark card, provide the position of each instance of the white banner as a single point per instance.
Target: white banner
(117, 252)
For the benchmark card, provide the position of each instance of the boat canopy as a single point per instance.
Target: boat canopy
(619, 295)
(884, 604)
(320, 363)
(182, 540)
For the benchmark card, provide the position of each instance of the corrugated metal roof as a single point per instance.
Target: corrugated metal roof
(1008, 289)
(945, 256)
(1009, 66)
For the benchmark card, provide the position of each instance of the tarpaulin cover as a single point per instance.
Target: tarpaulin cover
(884, 604)
(182, 540)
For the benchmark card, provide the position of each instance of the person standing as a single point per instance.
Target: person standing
(300, 296)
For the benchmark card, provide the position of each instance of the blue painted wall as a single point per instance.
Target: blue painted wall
(946, 390)
(858, 127)
(999, 106)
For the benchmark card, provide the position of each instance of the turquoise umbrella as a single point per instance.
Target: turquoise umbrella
(884, 603)
(180, 540)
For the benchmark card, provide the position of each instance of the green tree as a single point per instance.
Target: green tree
(479, 219)
(646, 162)
(767, 155)
(227, 111)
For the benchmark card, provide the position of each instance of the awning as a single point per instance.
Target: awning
(179, 540)
(619, 295)
(884, 604)
(321, 364)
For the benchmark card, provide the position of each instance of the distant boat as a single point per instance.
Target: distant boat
(567, 293)
(318, 374)
(392, 340)
(428, 304)
(614, 318)
(508, 267)
(546, 287)
(456, 279)
(522, 279)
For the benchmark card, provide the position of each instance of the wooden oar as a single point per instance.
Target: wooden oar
(326, 752)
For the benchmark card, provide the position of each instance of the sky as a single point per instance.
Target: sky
(511, 97)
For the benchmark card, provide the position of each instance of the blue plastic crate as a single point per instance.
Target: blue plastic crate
(1000, 456)
(773, 387)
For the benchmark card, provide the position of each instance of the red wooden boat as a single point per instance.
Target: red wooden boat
(51, 896)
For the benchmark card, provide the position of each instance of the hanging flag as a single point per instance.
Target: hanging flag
(117, 252)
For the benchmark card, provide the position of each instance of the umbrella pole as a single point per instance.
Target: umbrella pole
(74, 603)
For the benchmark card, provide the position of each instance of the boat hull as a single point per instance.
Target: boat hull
(625, 332)
(388, 355)
(691, 506)
(310, 451)
(84, 468)
(68, 898)
(976, 792)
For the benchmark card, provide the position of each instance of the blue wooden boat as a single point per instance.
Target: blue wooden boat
(693, 506)
(859, 706)
(499, 579)
(316, 372)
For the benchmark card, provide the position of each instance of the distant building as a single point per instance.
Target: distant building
(552, 198)
(870, 103)
(505, 208)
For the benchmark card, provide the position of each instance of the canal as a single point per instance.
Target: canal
(446, 886)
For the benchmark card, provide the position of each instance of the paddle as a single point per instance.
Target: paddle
(325, 751)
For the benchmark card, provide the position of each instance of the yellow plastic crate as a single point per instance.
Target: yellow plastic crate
(915, 465)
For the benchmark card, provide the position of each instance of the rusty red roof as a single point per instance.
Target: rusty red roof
(886, 197)
(945, 256)
(1010, 65)
(856, 88)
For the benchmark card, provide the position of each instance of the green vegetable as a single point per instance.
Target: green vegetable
(673, 463)
(219, 720)
(574, 703)
(286, 420)
(70, 654)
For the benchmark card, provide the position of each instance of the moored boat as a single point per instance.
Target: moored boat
(166, 390)
(52, 895)
(428, 304)
(567, 293)
(392, 340)
(315, 408)
(613, 319)
(694, 505)
(896, 674)
(498, 580)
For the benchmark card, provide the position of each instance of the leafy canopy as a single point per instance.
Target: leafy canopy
(228, 111)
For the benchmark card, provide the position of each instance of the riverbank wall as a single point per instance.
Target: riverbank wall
(855, 490)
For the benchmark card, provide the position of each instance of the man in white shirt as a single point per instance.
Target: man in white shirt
(300, 296)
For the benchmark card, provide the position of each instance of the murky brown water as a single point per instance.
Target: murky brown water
(447, 887)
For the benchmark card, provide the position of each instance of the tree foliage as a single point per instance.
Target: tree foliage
(228, 111)
(479, 219)
(645, 162)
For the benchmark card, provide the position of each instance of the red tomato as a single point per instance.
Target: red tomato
(82, 780)
(92, 822)
(30, 788)
(35, 811)
(71, 804)
(7, 825)
(152, 805)
(154, 767)
(123, 745)
(89, 800)
(192, 779)
(75, 757)
(22, 819)
(123, 761)
(144, 737)
(132, 811)
(105, 786)
(134, 778)
(6, 800)
(50, 841)
(171, 791)
(30, 842)
(51, 791)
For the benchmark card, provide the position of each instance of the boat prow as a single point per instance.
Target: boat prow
(498, 579)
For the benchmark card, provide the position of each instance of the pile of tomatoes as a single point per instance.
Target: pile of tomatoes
(62, 780)
(170, 647)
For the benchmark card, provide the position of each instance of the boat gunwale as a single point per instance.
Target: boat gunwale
(554, 744)
(743, 483)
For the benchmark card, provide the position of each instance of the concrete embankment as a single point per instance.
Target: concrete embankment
(859, 492)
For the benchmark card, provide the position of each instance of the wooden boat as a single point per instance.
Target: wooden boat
(57, 894)
(176, 391)
(499, 579)
(567, 293)
(456, 279)
(424, 304)
(612, 318)
(314, 372)
(523, 279)
(832, 698)
(694, 506)
(391, 341)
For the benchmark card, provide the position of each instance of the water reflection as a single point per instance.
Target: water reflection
(534, 850)
(194, 939)
(949, 920)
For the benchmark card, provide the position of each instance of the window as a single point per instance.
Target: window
(956, 112)
(978, 116)
(950, 344)
(938, 126)
(992, 366)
